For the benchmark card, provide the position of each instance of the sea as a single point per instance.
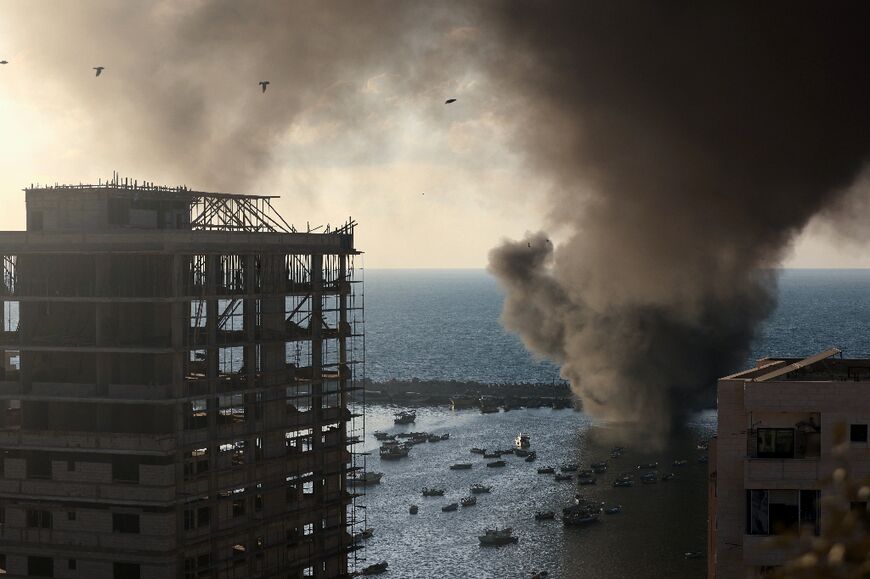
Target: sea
(444, 324)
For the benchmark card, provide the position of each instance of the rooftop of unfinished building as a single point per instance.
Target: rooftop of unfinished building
(826, 366)
(136, 188)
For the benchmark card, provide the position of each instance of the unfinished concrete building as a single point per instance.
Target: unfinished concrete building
(176, 388)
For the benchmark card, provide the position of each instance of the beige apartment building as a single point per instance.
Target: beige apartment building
(778, 423)
(176, 388)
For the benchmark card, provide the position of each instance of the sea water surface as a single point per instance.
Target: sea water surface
(443, 324)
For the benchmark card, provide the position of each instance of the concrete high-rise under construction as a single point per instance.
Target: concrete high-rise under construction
(176, 388)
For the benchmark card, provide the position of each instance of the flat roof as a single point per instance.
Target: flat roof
(146, 188)
(826, 366)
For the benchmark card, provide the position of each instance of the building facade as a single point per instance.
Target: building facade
(177, 388)
(773, 458)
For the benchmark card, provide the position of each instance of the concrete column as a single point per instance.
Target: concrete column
(316, 327)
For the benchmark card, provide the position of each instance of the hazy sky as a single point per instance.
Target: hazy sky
(432, 185)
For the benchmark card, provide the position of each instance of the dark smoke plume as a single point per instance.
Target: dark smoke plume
(689, 142)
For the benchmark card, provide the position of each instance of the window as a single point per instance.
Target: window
(197, 517)
(775, 512)
(39, 465)
(298, 440)
(308, 529)
(308, 572)
(196, 414)
(72, 564)
(125, 523)
(126, 571)
(236, 450)
(239, 554)
(238, 507)
(125, 468)
(197, 567)
(231, 408)
(40, 567)
(70, 515)
(2, 564)
(38, 519)
(775, 443)
(70, 465)
(196, 463)
(308, 487)
(858, 433)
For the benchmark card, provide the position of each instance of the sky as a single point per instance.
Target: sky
(431, 185)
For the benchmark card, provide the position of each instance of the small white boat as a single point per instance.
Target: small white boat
(365, 478)
(405, 417)
(468, 501)
(393, 452)
(523, 440)
(479, 489)
(495, 537)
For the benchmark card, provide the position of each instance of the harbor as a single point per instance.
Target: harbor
(636, 528)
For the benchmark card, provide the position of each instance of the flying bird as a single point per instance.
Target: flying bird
(264, 84)
(448, 101)
(99, 70)
(4, 62)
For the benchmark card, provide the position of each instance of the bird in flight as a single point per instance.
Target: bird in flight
(448, 101)
(264, 84)
(99, 69)
(4, 62)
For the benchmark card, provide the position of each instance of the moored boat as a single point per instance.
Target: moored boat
(545, 516)
(522, 452)
(523, 440)
(493, 454)
(614, 510)
(468, 501)
(496, 537)
(461, 466)
(587, 481)
(496, 464)
(647, 466)
(680, 462)
(365, 479)
(393, 452)
(375, 569)
(479, 488)
(569, 467)
(413, 509)
(433, 492)
(579, 515)
(623, 482)
(668, 477)
(599, 467)
(532, 456)
(546, 470)
(450, 508)
(649, 478)
(563, 477)
(405, 417)
(476, 450)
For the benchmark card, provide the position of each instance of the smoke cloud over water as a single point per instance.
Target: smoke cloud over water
(688, 144)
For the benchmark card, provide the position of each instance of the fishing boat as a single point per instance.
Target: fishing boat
(479, 489)
(599, 467)
(495, 537)
(379, 435)
(578, 515)
(405, 417)
(434, 438)
(496, 464)
(450, 508)
(365, 478)
(433, 492)
(623, 482)
(532, 456)
(545, 516)
(522, 452)
(461, 466)
(649, 478)
(614, 510)
(703, 445)
(445, 436)
(485, 409)
(680, 462)
(493, 454)
(647, 466)
(375, 569)
(468, 501)
(476, 450)
(546, 470)
(587, 481)
(523, 440)
(585, 473)
(563, 477)
(668, 477)
(569, 468)
(413, 509)
(393, 452)
(363, 535)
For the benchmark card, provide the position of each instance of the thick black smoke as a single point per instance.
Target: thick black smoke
(689, 143)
